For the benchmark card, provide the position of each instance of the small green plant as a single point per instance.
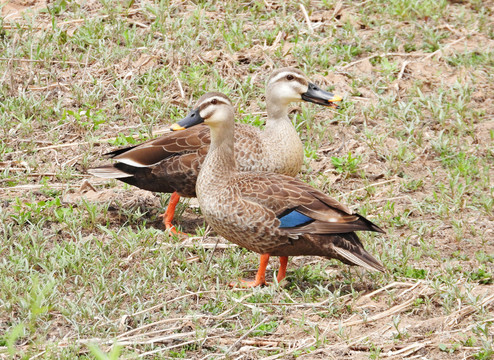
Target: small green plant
(487, 350)
(412, 185)
(87, 119)
(375, 352)
(449, 349)
(396, 323)
(418, 302)
(266, 328)
(10, 337)
(349, 164)
(125, 139)
(388, 68)
(482, 276)
(415, 273)
(99, 354)
(470, 342)
(469, 59)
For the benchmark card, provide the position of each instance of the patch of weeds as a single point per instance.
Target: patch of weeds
(261, 297)
(184, 352)
(418, 302)
(484, 258)
(414, 273)
(388, 68)
(432, 39)
(485, 337)
(99, 354)
(32, 211)
(234, 36)
(411, 9)
(449, 349)
(130, 138)
(465, 165)
(396, 218)
(254, 120)
(213, 307)
(266, 328)
(310, 153)
(410, 47)
(349, 164)
(37, 303)
(484, 354)
(389, 39)
(482, 276)
(460, 256)
(306, 351)
(401, 334)
(86, 119)
(5, 149)
(412, 185)
(307, 276)
(346, 52)
(469, 342)
(471, 59)
(11, 336)
(375, 352)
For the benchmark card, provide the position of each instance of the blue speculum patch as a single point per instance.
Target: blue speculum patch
(294, 219)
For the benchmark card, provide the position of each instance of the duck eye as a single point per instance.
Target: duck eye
(289, 77)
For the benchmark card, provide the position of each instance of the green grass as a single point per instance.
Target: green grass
(95, 276)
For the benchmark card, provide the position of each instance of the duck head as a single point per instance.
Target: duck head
(212, 108)
(287, 85)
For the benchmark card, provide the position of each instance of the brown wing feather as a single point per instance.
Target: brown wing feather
(172, 174)
(345, 224)
(280, 193)
(152, 152)
(172, 161)
(331, 234)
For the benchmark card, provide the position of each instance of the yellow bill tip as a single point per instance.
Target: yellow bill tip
(176, 127)
(333, 102)
(335, 98)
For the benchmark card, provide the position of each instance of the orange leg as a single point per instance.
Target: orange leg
(170, 213)
(282, 270)
(260, 276)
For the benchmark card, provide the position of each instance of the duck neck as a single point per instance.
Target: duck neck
(221, 157)
(275, 108)
(278, 122)
(282, 140)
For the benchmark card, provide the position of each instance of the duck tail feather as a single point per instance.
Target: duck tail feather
(367, 261)
(370, 225)
(351, 249)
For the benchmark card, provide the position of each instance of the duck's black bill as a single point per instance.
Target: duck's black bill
(318, 96)
(192, 118)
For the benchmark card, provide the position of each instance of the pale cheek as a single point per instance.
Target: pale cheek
(289, 93)
(204, 114)
(218, 116)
